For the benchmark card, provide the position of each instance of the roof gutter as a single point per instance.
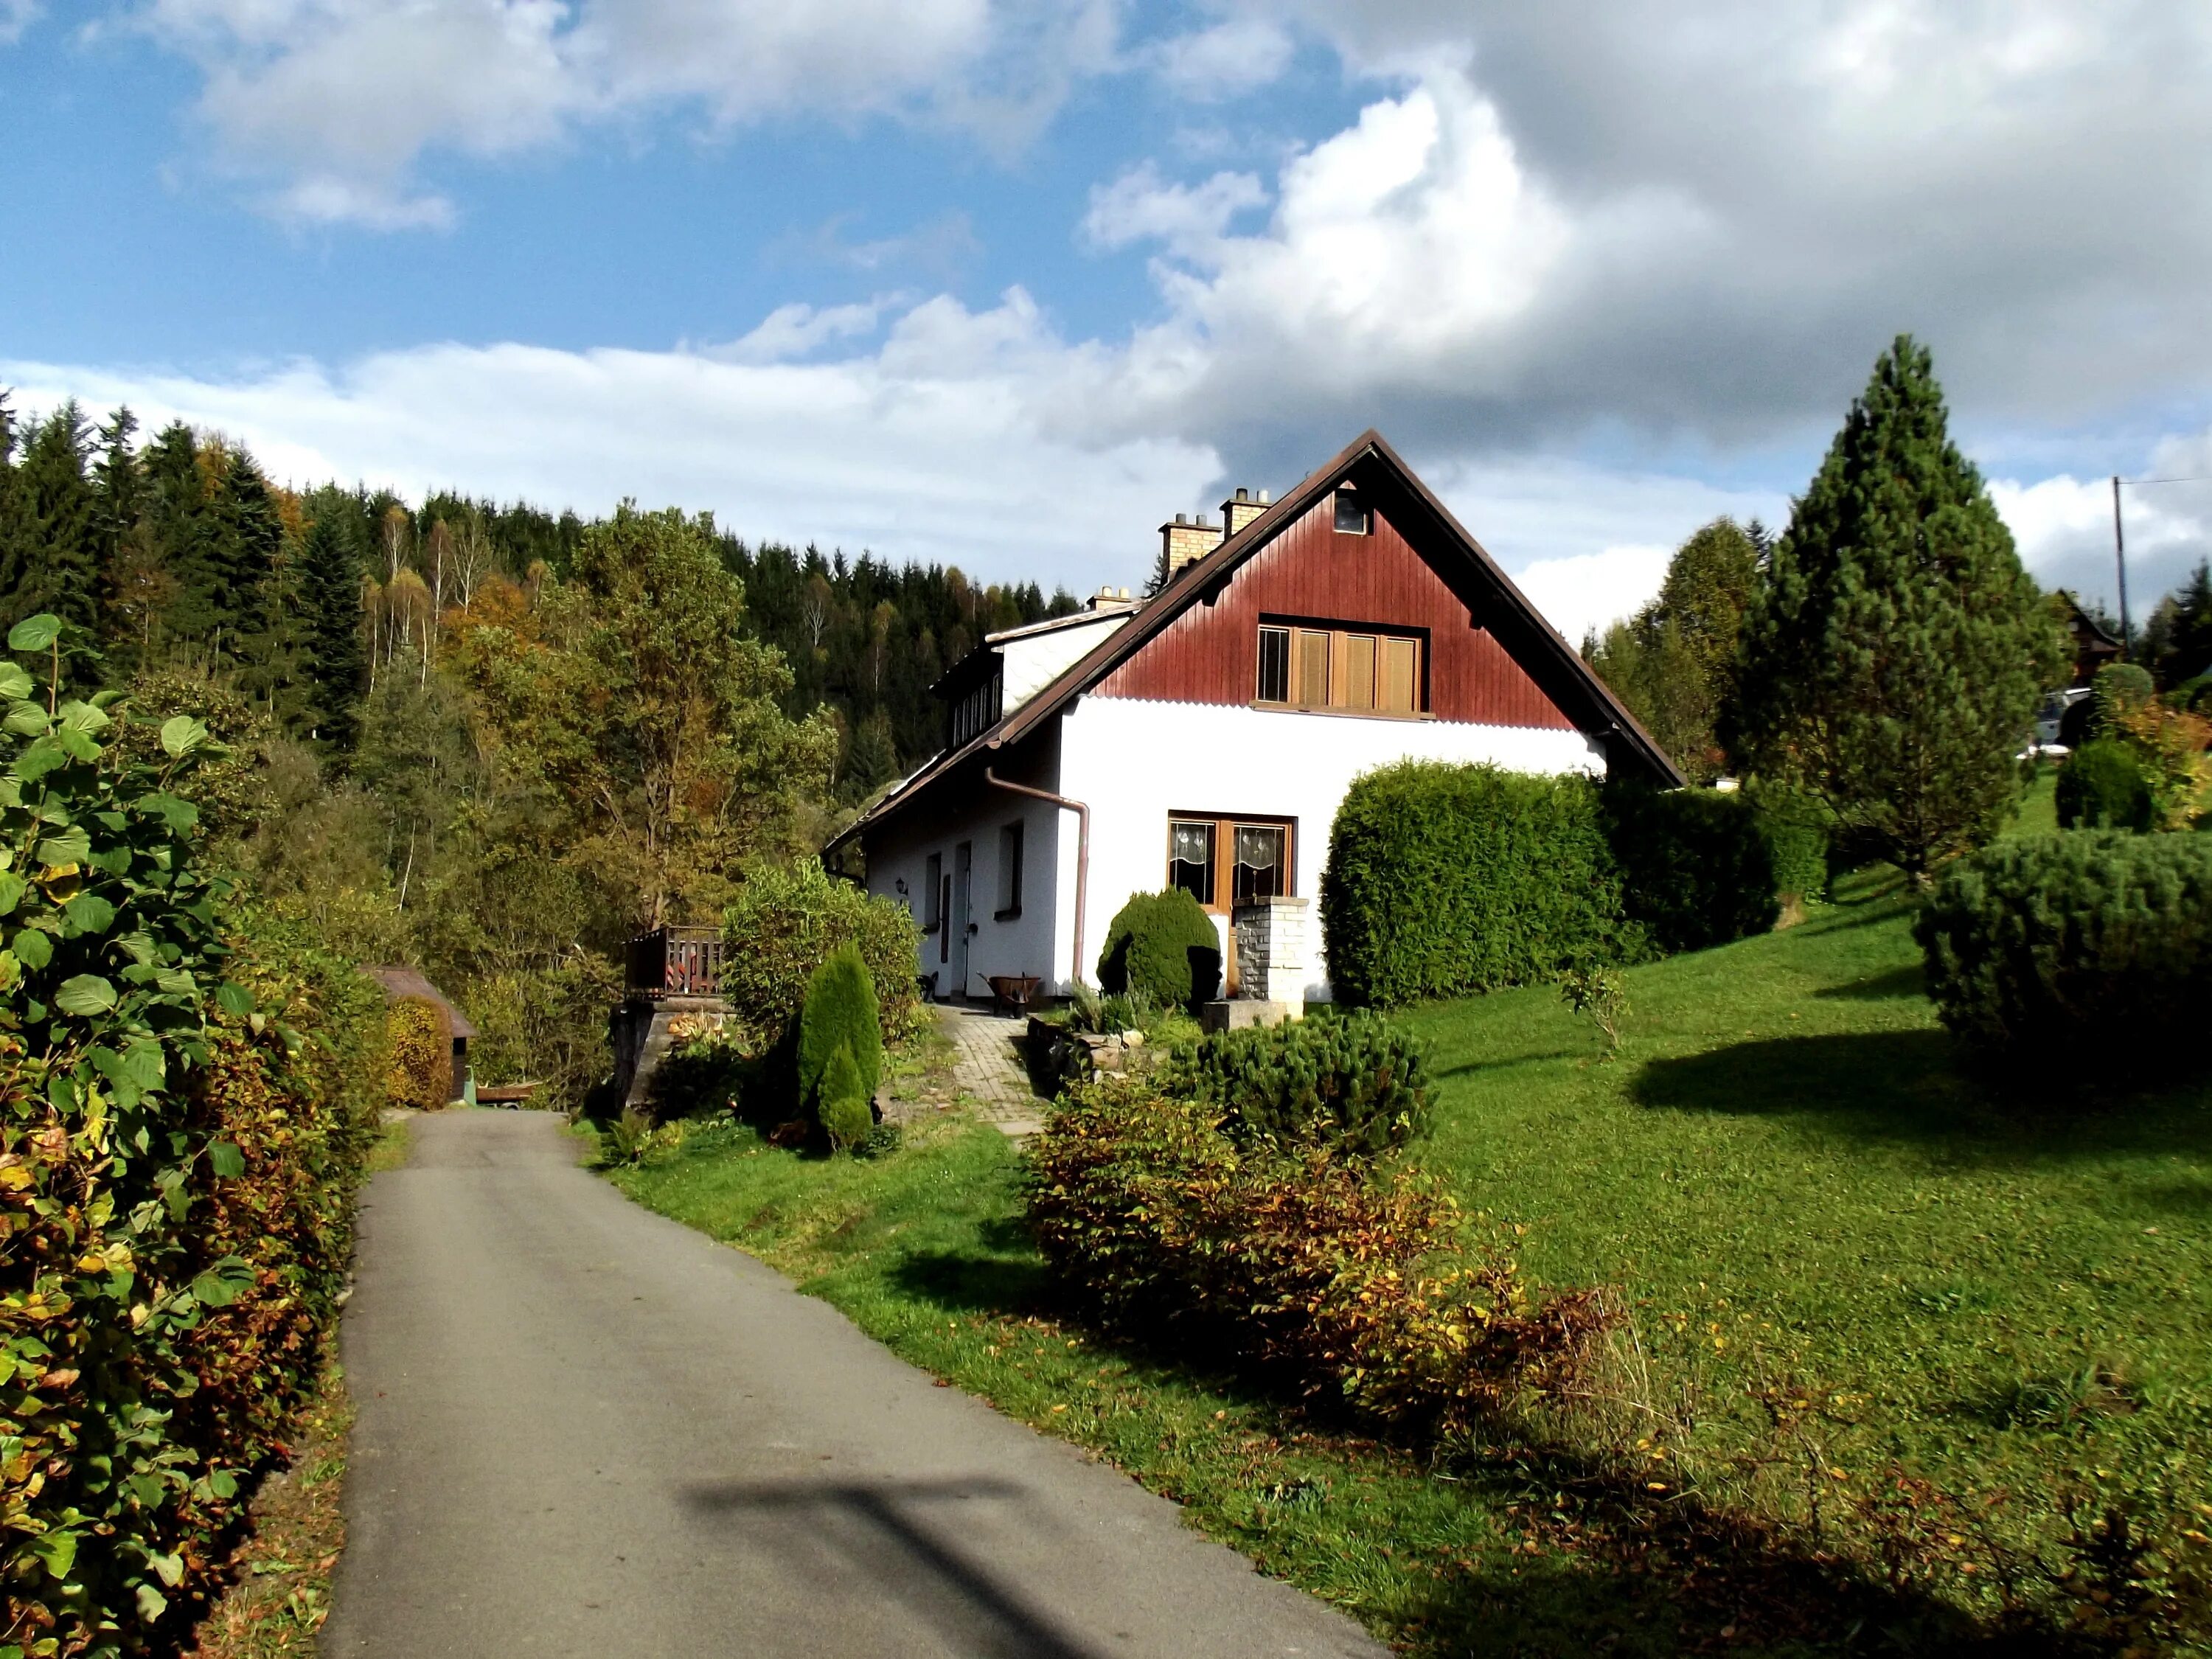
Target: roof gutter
(1082, 849)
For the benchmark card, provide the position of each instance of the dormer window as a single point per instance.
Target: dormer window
(979, 706)
(1353, 518)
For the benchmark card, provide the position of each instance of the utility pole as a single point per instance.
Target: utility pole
(2120, 553)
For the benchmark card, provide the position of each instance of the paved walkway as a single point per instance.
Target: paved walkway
(586, 1430)
(987, 1068)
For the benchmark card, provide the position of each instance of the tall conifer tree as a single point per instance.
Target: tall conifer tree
(330, 582)
(1893, 656)
(56, 532)
(180, 514)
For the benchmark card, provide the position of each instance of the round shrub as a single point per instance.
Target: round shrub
(839, 1018)
(1164, 947)
(420, 1072)
(782, 926)
(1443, 880)
(2102, 787)
(1354, 1083)
(2088, 951)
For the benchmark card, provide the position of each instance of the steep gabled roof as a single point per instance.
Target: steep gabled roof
(1381, 475)
(399, 983)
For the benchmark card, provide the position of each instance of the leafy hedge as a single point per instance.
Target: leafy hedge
(783, 925)
(1378, 1291)
(1164, 948)
(419, 1044)
(1355, 1083)
(1697, 866)
(177, 1151)
(1443, 880)
(2089, 950)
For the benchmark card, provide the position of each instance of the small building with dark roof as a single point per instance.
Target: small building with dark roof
(401, 983)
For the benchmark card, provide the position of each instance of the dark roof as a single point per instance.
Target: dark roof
(1381, 474)
(398, 982)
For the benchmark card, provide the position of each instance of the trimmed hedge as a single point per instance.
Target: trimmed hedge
(839, 1018)
(419, 1039)
(2102, 786)
(1796, 830)
(782, 927)
(1697, 866)
(1354, 1083)
(185, 1102)
(2089, 950)
(1164, 947)
(1443, 880)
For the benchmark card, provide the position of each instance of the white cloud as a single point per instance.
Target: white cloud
(338, 101)
(796, 330)
(1229, 60)
(2064, 528)
(1587, 593)
(16, 16)
(1190, 220)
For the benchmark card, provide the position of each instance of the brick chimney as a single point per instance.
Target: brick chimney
(1183, 541)
(1240, 510)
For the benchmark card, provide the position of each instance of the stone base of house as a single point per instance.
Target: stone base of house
(639, 1032)
(1241, 1014)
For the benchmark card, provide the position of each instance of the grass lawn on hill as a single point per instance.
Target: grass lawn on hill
(1785, 1173)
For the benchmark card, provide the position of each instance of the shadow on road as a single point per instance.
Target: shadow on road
(897, 1536)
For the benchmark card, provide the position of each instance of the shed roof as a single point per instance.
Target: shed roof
(398, 982)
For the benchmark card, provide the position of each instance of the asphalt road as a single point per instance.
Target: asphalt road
(584, 1430)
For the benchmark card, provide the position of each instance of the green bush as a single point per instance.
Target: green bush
(2118, 687)
(1332, 1275)
(1697, 869)
(184, 1106)
(1354, 1082)
(840, 1016)
(846, 1116)
(1796, 829)
(1163, 947)
(782, 927)
(2088, 951)
(1443, 880)
(2101, 786)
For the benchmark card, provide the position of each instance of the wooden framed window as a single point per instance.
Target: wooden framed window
(1358, 671)
(1010, 872)
(1223, 860)
(1353, 518)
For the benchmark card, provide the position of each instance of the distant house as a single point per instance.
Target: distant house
(1204, 738)
(400, 983)
(2093, 647)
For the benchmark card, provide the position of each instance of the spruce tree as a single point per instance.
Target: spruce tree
(1893, 656)
(56, 558)
(330, 582)
(180, 515)
(245, 551)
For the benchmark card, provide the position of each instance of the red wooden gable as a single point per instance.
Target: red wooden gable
(1312, 573)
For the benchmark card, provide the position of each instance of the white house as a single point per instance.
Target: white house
(1204, 738)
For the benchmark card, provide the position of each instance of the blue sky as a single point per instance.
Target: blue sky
(1009, 285)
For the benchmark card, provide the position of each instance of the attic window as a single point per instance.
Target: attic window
(1353, 518)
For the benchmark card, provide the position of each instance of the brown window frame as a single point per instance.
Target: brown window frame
(1339, 678)
(1224, 826)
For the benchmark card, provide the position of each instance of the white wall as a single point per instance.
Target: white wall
(1137, 762)
(1028, 943)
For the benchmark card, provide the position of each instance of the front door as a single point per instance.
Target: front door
(963, 860)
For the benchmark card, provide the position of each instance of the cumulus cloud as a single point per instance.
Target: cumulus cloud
(1708, 220)
(1230, 59)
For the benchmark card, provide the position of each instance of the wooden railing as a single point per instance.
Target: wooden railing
(676, 962)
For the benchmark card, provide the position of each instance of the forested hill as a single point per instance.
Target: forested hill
(176, 551)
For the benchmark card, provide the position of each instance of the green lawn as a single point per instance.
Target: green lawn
(1790, 1181)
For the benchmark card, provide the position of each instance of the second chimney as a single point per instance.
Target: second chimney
(1182, 541)
(1240, 510)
